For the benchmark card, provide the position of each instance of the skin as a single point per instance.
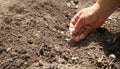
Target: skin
(88, 19)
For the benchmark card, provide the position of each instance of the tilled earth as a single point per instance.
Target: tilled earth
(34, 35)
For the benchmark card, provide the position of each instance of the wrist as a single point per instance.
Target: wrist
(106, 7)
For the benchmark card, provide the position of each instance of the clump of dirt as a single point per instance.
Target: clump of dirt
(34, 35)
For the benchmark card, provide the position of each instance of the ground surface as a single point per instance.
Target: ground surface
(34, 35)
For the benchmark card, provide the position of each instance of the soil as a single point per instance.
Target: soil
(34, 35)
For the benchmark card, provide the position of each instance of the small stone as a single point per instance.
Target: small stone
(8, 49)
(2, 50)
(117, 66)
(67, 39)
(30, 41)
(40, 64)
(76, 7)
(19, 62)
(62, 61)
(36, 64)
(112, 56)
(8, 20)
(37, 34)
(99, 60)
(25, 63)
(68, 4)
(23, 51)
(72, 3)
(74, 58)
(10, 59)
(25, 57)
(19, 36)
(14, 53)
(62, 32)
(110, 17)
(57, 49)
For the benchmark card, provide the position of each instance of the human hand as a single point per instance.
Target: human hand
(85, 21)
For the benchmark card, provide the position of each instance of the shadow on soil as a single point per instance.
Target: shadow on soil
(108, 40)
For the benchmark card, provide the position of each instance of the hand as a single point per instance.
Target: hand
(85, 21)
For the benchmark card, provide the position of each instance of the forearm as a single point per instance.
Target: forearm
(107, 6)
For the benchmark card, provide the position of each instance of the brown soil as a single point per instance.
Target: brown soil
(34, 35)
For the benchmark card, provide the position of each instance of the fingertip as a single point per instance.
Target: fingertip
(74, 19)
(77, 39)
(84, 34)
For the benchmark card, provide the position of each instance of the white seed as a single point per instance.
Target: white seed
(71, 30)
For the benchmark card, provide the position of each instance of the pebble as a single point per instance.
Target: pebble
(41, 63)
(10, 59)
(67, 39)
(76, 7)
(8, 20)
(99, 61)
(68, 4)
(30, 41)
(62, 61)
(72, 3)
(62, 32)
(25, 63)
(13, 54)
(74, 58)
(110, 18)
(25, 57)
(117, 66)
(112, 56)
(2, 50)
(23, 51)
(57, 49)
(36, 64)
(8, 49)
(19, 36)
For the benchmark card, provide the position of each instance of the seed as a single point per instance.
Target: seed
(71, 30)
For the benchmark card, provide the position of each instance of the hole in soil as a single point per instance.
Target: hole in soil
(30, 41)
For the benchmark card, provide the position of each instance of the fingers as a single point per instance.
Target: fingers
(76, 37)
(76, 23)
(77, 28)
(82, 34)
(74, 19)
(72, 23)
